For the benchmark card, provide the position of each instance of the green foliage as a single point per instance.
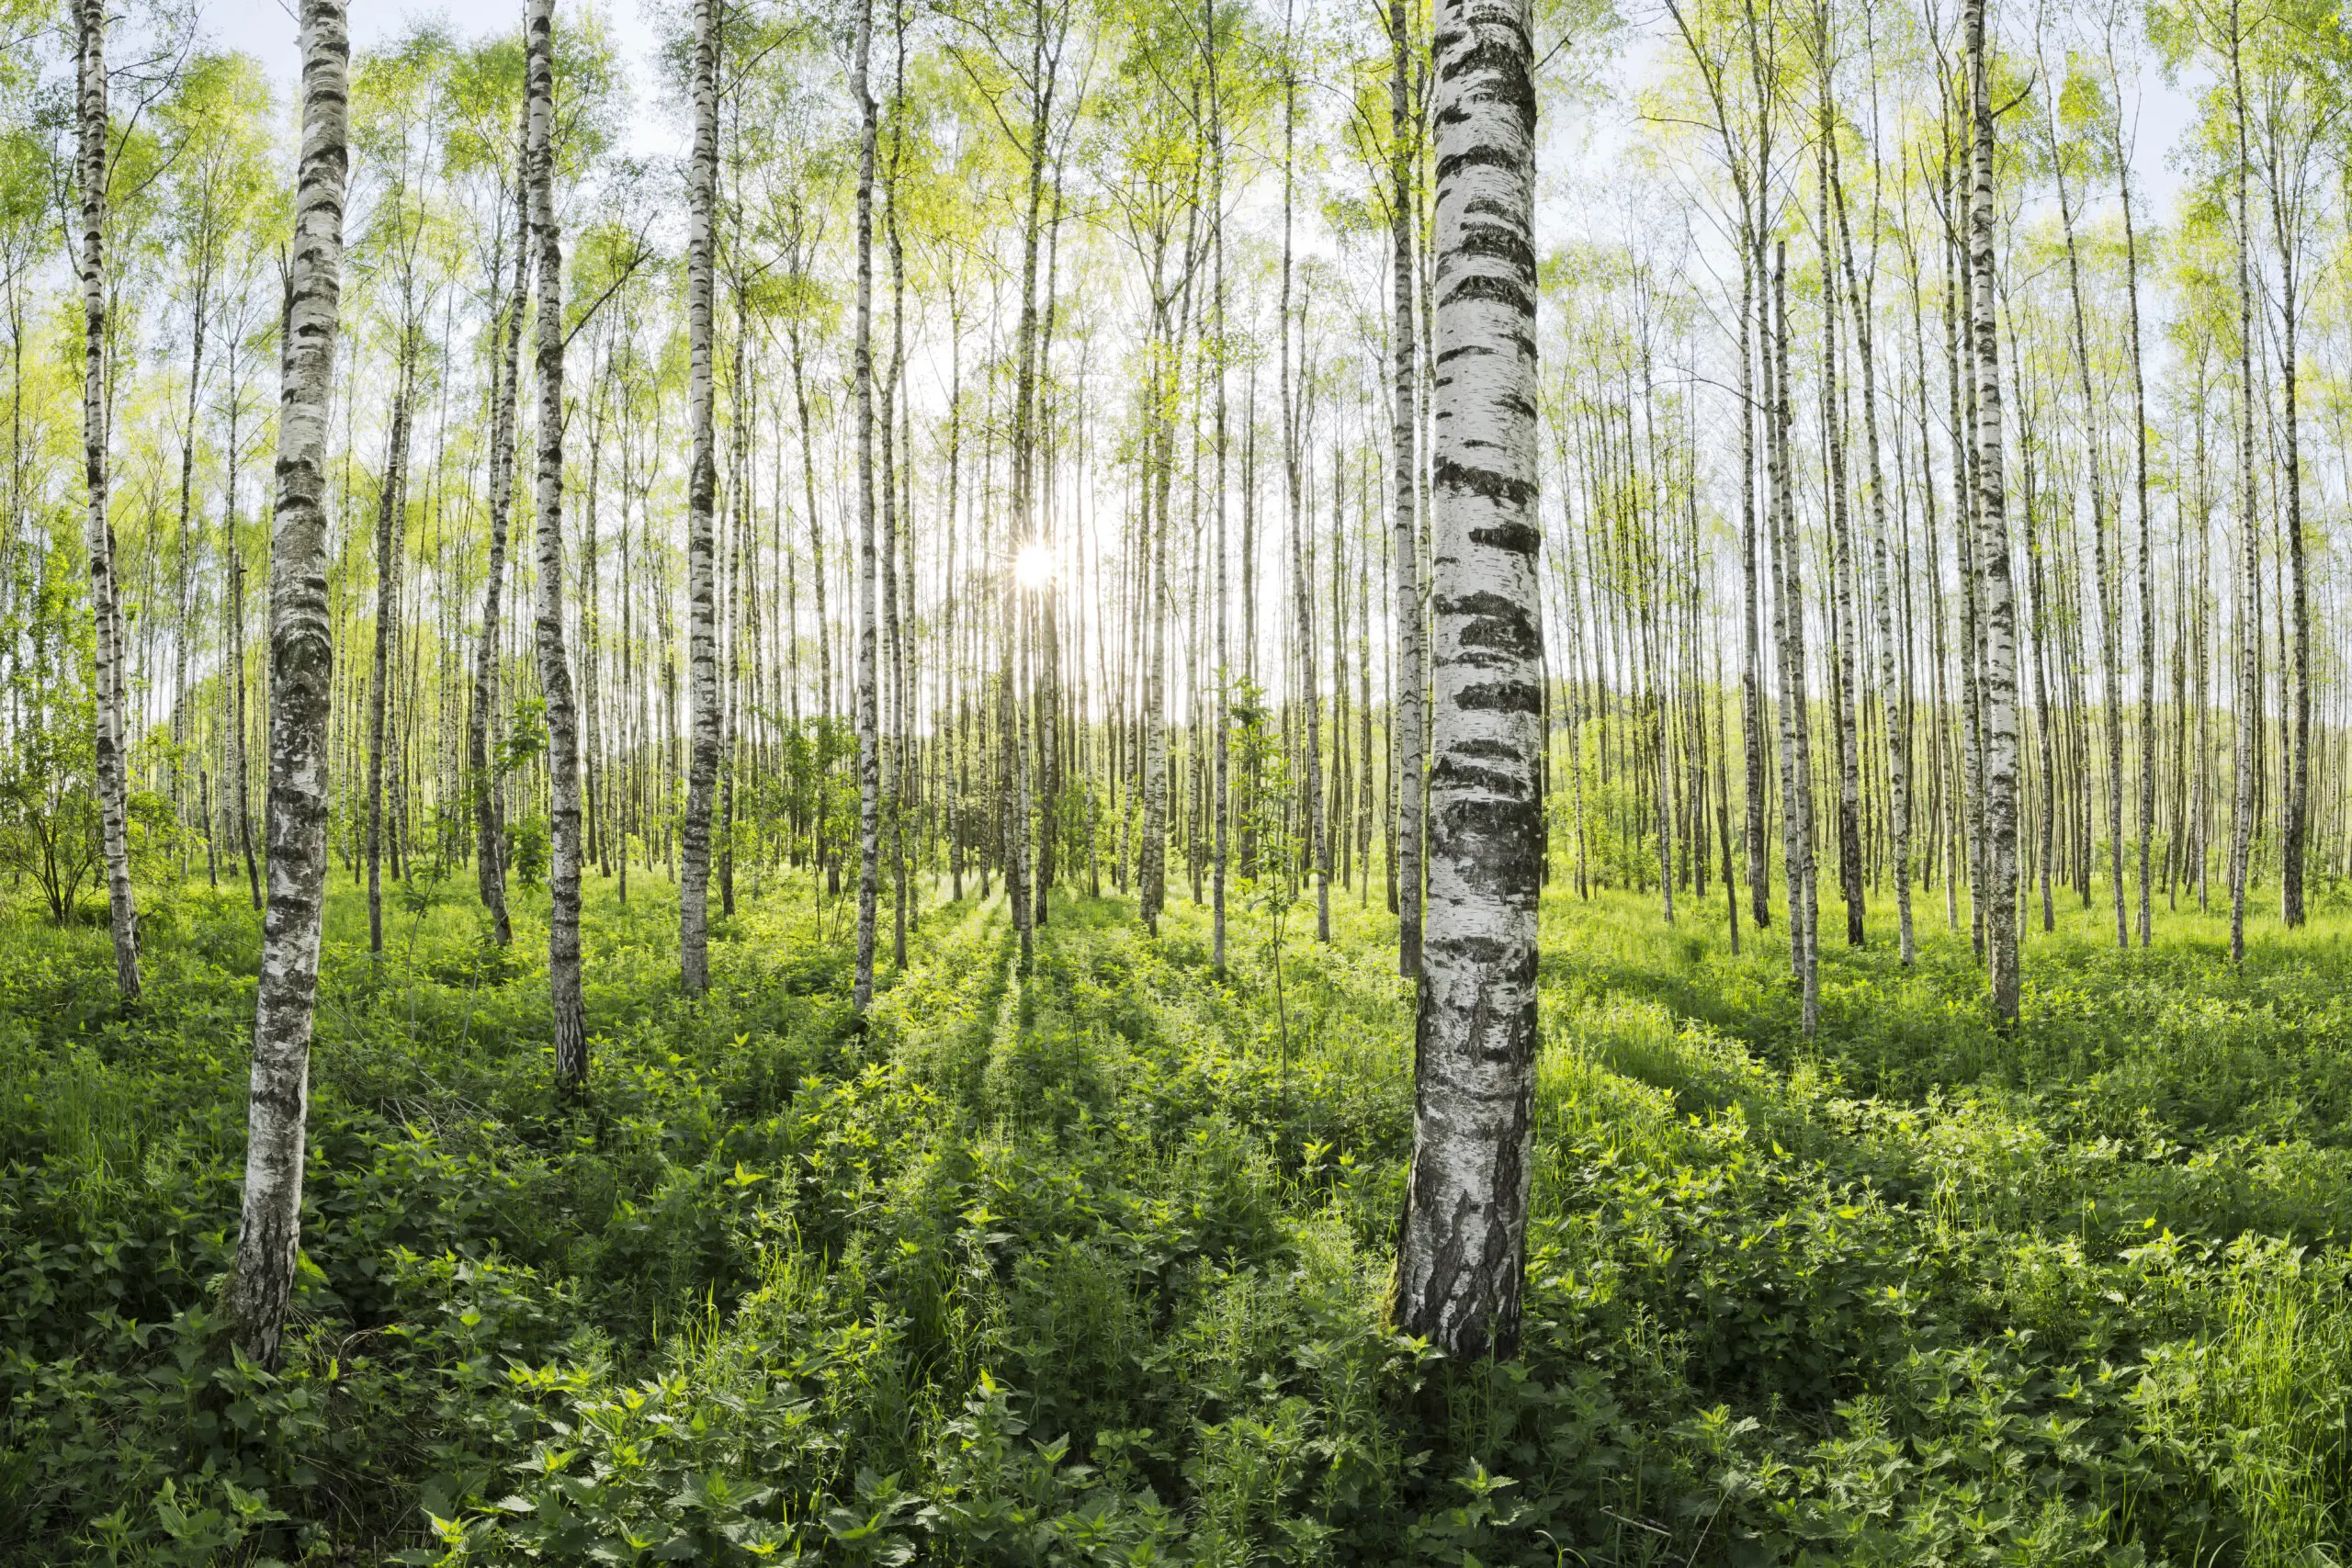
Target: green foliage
(1074, 1268)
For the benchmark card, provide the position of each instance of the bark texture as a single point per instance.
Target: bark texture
(112, 741)
(1403, 201)
(1997, 600)
(1461, 1255)
(489, 839)
(301, 667)
(555, 660)
(869, 718)
(702, 497)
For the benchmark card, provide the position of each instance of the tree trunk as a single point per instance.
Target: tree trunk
(112, 740)
(702, 485)
(490, 841)
(390, 530)
(554, 661)
(1461, 1255)
(1406, 717)
(2001, 894)
(2139, 482)
(869, 736)
(301, 662)
(2249, 616)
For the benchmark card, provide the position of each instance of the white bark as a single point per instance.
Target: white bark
(869, 736)
(702, 484)
(555, 663)
(1998, 599)
(1404, 199)
(490, 845)
(1462, 1254)
(301, 662)
(112, 743)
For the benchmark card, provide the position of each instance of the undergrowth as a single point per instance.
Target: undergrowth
(1088, 1265)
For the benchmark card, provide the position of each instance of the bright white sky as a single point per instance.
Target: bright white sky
(267, 30)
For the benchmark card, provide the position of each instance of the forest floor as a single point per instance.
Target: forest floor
(1088, 1266)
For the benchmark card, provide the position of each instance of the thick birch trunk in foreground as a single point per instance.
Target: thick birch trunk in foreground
(112, 743)
(702, 485)
(1998, 599)
(490, 841)
(302, 666)
(869, 718)
(1460, 1256)
(555, 663)
(1403, 200)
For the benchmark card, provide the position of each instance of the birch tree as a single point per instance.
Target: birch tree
(93, 168)
(1997, 596)
(702, 500)
(555, 663)
(1461, 1255)
(1404, 200)
(302, 665)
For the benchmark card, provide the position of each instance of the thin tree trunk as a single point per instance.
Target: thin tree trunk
(1406, 714)
(391, 516)
(702, 485)
(490, 867)
(2249, 616)
(869, 737)
(112, 740)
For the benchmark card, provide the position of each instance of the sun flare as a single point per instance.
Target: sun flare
(1034, 567)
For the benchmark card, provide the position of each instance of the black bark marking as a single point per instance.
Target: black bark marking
(1519, 539)
(1500, 697)
(1508, 490)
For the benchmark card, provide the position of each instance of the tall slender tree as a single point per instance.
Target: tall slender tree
(555, 659)
(302, 669)
(94, 168)
(701, 500)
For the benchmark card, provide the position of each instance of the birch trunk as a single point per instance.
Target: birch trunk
(1999, 606)
(301, 663)
(1461, 1255)
(869, 736)
(490, 841)
(1403, 201)
(1843, 633)
(112, 745)
(2140, 484)
(1796, 730)
(555, 660)
(702, 485)
(2109, 620)
(2249, 616)
(1221, 800)
(390, 509)
(1860, 289)
(234, 550)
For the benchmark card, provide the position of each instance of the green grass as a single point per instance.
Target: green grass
(1088, 1266)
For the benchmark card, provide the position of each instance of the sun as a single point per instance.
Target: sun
(1034, 567)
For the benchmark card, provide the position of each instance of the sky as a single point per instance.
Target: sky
(266, 29)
